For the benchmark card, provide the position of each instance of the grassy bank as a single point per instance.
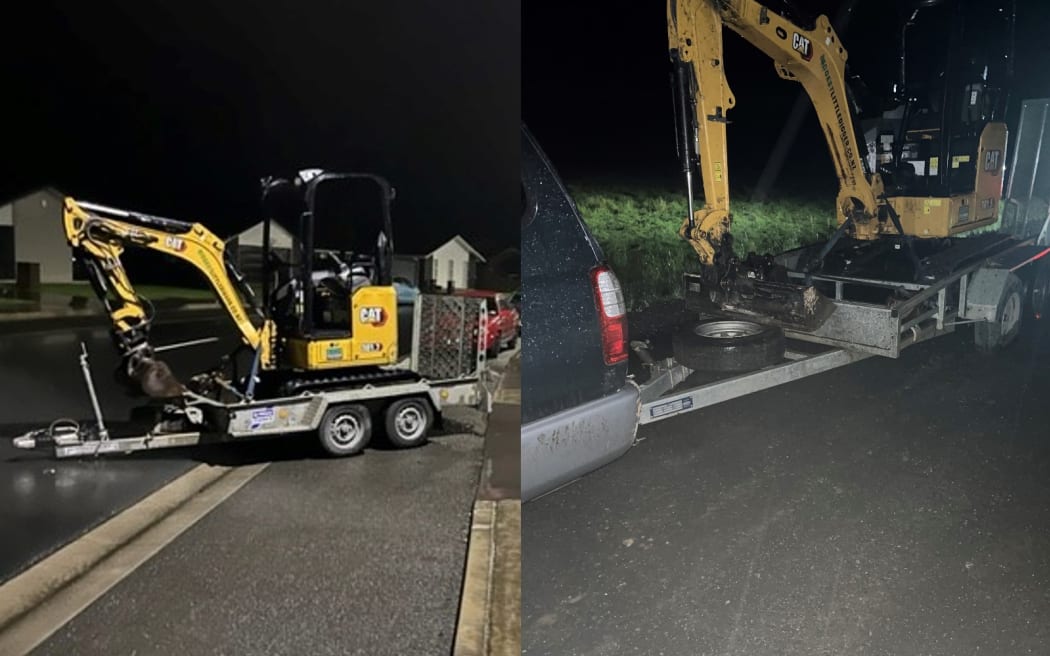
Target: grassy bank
(638, 230)
(8, 305)
(152, 292)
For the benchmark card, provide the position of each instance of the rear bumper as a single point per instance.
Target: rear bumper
(564, 446)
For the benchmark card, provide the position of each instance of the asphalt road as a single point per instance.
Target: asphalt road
(44, 503)
(889, 507)
(316, 555)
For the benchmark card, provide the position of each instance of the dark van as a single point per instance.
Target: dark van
(579, 411)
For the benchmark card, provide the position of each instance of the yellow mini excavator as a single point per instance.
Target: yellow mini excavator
(932, 170)
(326, 317)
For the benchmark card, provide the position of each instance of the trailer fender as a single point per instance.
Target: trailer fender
(983, 294)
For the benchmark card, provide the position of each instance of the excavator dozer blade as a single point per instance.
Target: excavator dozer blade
(797, 307)
(790, 306)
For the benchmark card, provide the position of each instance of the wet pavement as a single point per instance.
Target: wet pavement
(887, 507)
(315, 555)
(44, 503)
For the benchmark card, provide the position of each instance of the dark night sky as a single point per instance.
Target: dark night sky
(597, 96)
(180, 110)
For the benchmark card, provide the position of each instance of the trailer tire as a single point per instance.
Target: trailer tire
(728, 345)
(990, 336)
(346, 429)
(408, 422)
(1039, 303)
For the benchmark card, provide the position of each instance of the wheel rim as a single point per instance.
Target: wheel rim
(346, 430)
(728, 329)
(1011, 312)
(410, 422)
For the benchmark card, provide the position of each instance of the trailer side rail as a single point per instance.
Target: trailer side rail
(656, 407)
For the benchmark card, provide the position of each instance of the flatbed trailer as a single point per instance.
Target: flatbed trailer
(447, 367)
(977, 278)
(971, 280)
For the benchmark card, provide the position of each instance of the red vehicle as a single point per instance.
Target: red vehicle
(504, 326)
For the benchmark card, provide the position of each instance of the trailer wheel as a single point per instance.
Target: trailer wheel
(728, 345)
(990, 336)
(346, 429)
(408, 422)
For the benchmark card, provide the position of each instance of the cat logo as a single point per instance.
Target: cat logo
(372, 315)
(175, 243)
(802, 45)
(991, 160)
(371, 347)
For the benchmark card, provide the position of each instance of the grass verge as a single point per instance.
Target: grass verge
(8, 305)
(638, 230)
(152, 292)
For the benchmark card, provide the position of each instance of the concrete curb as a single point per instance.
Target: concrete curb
(490, 607)
(489, 622)
(41, 599)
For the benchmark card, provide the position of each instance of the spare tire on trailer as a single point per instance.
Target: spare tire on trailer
(728, 345)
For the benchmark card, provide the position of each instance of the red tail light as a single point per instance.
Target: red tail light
(612, 314)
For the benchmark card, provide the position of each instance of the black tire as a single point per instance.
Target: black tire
(345, 429)
(728, 345)
(1039, 299)
(408, 422)
(991, 336)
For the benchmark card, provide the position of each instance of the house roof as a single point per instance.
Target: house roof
(253, 236)
(463, 243)
(29, 192)
(507, 252)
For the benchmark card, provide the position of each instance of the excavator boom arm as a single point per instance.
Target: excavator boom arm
(98, 236)
(813, 57)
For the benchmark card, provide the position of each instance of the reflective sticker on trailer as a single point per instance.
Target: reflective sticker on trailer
(671, 407)
(261, 417)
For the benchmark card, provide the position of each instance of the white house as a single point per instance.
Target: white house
(246, 249)
(31, 231)
(280, 238)
(455, 262)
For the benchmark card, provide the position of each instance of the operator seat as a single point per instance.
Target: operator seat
(333, 288)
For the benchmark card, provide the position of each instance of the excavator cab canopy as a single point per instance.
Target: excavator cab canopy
(344, 240)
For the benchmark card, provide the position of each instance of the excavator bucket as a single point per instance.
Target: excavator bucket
(156, 379)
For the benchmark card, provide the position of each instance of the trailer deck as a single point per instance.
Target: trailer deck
(447, 367)
(973, 273)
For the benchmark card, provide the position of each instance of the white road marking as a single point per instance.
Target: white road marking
(38, 602)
